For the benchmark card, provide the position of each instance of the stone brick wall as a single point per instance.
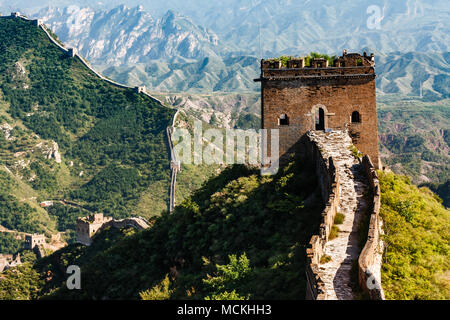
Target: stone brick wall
(299, 93)
(33, 240)
(329, 187)
(137, 223)
(369, 269)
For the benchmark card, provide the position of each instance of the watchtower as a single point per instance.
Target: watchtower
(72, 52)
(34, 240)
(324, 95)
(140, 89)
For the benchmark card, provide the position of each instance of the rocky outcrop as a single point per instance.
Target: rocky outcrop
(6, 128)
(136, 223)
(54, 153)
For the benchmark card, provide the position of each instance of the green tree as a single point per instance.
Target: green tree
(228, 277)
(160, 291)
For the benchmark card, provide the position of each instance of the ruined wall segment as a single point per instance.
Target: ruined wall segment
(33, 240)
(88, 227)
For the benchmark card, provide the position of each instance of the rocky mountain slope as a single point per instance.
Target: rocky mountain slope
(412, 72)
(210, 74)
(291, 27)
(405, 74)
(129, 35)
(168, 52)
(414, 138)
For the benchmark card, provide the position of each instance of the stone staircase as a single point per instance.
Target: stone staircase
(343, 250)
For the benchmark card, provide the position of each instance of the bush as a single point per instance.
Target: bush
(9, 244)
(159, 292)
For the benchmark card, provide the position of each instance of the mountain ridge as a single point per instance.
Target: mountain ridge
(47, 94)
(288, 27)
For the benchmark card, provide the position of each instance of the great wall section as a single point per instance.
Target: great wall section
(348, 185)
(174, 164)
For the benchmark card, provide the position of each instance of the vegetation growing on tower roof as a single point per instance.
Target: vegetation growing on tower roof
(313, 55)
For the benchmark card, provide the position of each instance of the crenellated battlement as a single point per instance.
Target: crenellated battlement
(347, 60)
(320, 93)
(348, 66)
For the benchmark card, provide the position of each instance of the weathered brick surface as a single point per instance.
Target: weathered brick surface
(339, 91)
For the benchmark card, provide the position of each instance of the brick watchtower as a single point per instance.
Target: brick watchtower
(296, 98)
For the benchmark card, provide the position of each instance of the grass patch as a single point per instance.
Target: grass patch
(417, 241)
(325, 259)
(339, 218)
(334, 233)
(355, 152)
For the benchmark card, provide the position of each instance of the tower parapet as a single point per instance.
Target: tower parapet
(347, 65)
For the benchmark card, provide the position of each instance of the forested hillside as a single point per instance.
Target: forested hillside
(258, 227)
(66, 134)
(243, 236)
(414, 140)
(416, 260)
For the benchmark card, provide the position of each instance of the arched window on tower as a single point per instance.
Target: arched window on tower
(356, 118)
(284, 120)
(320, 119)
